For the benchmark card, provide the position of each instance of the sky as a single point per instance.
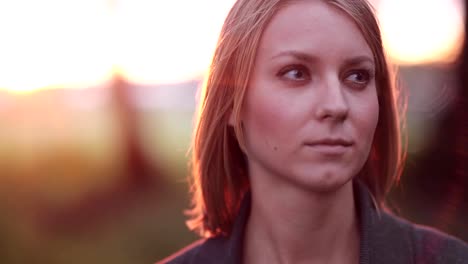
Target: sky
(80, 43)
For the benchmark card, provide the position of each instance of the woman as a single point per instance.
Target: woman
(297, 143)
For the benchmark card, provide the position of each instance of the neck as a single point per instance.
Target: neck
(290, 226)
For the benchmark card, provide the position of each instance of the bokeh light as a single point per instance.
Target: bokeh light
(421, 31)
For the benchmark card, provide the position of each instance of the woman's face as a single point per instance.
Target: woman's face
(311, 107)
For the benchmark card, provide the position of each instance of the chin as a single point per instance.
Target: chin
(324, 180)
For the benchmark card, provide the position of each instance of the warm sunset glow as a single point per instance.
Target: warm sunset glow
(53, 43)
(422, 31)
(79, 43)
(70, 43)
(168, 41)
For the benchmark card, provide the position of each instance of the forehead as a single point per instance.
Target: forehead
(316, 28)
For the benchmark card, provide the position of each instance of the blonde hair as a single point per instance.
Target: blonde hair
(219, 172)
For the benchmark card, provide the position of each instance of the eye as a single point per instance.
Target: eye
(295, 73)
(359, 78)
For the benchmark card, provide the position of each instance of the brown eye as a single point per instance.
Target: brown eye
(359, 78)
(295, 73)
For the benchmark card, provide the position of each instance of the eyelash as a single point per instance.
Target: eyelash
(368, 75)
(295, 67)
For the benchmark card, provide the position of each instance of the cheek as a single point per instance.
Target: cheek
(367, 115)
(266, 121)
(373, 114)
(260, 122)
(261, 116)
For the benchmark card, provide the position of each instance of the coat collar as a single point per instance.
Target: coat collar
(381, 240)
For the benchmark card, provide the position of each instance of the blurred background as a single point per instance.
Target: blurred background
(96, 104)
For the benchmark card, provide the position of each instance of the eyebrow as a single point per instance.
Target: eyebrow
(311, 58)
(296, 54)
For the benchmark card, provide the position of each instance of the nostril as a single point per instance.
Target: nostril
(332, 112)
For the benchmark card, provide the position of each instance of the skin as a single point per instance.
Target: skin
(313, 80)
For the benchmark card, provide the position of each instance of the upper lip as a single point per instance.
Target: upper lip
(331, 142)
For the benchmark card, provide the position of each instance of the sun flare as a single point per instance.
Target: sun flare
(421, 31)
(73, 44)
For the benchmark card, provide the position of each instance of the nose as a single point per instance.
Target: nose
(332, 104)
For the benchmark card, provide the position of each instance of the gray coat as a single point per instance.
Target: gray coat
(385, 239)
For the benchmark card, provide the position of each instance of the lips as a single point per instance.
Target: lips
(331, 142)
(330, 146)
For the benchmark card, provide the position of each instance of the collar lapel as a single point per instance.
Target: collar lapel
(227, 250)
(383, 239)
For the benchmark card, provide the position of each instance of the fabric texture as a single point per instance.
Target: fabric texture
(384, 239)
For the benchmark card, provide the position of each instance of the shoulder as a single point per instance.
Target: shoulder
(428, 245)
(201, 251)
(185, 255)
(442, 247)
